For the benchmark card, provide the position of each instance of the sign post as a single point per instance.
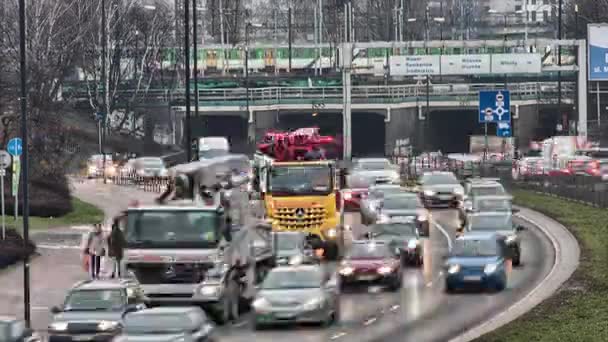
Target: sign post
(5, 161)
(15, 148)
(494, 107)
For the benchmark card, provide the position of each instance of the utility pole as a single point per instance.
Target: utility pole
(223, 38)
(194, 41)
(346, 81)
(24, 162)
(188, 141)
(247, 26)
(105, 85)
(316, 36)
(275, 41)
(289, 36)
(320, 37)
(559, 59)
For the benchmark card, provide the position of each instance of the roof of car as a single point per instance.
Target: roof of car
(385, 186)
(368, 242)
(166, 310)
(478, 236)
(493, 197)
(110, 284)
(490, 213)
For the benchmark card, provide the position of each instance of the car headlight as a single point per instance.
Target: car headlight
(511, 239)
(313, 304)
(347, 270)
(261, 304)
(413, 243)
(210, 290)
(58, 326)
(296, 260)
(459, 191)
(454, 269)
(332, 233)
(107, 325)
(394, 176)
(490, 268)
(385, 270)
(348, 196)
(423, 218)
(429, 193)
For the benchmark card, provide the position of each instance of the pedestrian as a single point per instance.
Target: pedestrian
(116, 246)
(95, 249)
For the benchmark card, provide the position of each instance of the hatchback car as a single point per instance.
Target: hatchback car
(371, 262)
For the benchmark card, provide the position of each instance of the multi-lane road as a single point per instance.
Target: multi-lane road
(421, 311)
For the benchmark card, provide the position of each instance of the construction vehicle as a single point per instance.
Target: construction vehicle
(299, 194)
(199, 244)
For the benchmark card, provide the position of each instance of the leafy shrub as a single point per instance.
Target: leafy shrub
(48, 197)
(13, 250)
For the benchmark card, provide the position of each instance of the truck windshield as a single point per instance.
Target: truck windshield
(301, 180)
(177, 228)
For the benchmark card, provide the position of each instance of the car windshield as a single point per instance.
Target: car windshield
(172, 227)
(373, 165)
(439, 178)
(207, 154)
(475, 248)
(158, 323)
(400, 229)
(400, 202)
(292, 279)
(301, 180)
(490, 222)
(487, 191)
(380, 193)
(95, 300)
(4, 331)
(369, 251)
(483, 204)
(288, 242)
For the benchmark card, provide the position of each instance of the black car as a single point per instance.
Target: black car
(15, 330)
(94, 310)
(402, 237)
(167, 324)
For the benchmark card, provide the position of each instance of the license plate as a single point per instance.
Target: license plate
(445, 197)
(472, 278)
(366, 277)
(82, 338)
(285, 315)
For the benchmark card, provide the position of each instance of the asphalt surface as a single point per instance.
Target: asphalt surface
(421, 311)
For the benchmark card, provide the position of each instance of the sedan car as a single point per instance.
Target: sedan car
(501, 224)
(292, 248)
(483, 204)
(357, 186)
(402, 237)
(370, 205)
(15, 330)
(297, 294)
(439, 189)
(477, 260)
(378, 170)
(371, 262)
(93, 311)
(167, 324)
(405, 206)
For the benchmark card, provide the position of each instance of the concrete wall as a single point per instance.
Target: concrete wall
(403, 125)
(526, 124)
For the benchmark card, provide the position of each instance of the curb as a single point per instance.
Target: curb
(567, 255)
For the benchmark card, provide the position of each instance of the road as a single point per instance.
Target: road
(421, 311)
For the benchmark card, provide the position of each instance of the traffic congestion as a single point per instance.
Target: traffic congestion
(233, 244)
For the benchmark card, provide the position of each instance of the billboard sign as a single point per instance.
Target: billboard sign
(516, 63)
(598, 52)
(469, 64)
(415, 65)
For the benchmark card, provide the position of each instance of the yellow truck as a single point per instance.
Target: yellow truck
(301, 196)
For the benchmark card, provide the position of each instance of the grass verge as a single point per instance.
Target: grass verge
(578, 311)
(83, 213)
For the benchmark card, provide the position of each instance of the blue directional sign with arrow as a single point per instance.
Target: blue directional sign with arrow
(494, 106)
(15, 147)
(503, 129)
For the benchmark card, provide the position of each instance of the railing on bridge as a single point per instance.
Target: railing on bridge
(462, 93)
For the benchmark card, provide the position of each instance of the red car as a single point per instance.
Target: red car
(371, 262)
(357, 188)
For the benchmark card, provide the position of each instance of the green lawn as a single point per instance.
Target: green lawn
(579, 311)
(83, 214)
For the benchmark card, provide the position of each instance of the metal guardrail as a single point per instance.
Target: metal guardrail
(329, 95)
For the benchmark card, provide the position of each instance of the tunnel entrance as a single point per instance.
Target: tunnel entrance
(233, 127)
(449, 130)
(368, 129)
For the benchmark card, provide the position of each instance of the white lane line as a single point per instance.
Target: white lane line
(370, 321)
(338, 335)
(445, 233)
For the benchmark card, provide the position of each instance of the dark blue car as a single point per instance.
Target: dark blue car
(477, 261)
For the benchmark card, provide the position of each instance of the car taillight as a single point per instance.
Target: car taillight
(348, 195)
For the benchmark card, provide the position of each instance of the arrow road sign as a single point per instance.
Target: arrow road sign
(494, 106)
(5, 160)
(503, 129)
(15, 147)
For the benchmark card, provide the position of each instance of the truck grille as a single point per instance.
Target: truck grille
(168, 273)
(300, 218)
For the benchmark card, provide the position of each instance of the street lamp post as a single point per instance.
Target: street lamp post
(559, 58)
(104, 85)
(195, 46)
(188, 141)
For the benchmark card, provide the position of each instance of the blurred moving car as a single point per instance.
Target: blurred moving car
(477, 260)
(148, 167)
(439, 189)
(292, 248)
(370, 204)
(94, 309)
(15, 330)
(403, 237)
(371, 262)
(405, 206)
(95, 166)
(500, 223)
(356, 190)
(297, 294)
(377, 170)
(478, 187)
(167, 324)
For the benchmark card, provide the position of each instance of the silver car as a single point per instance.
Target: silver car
(297, 294)
(291, 248)
(370, 204)
(377, 170)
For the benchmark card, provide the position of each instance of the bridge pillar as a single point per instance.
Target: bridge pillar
(400, 124)
(263, 121)
(525, 124)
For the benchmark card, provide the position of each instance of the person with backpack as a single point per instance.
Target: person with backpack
(95, 249)
(116, 245)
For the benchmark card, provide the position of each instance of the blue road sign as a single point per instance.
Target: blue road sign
(598, 51)
(494, 106)
(15, 147)
(503, 129)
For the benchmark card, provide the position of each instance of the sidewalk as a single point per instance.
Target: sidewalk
(58, 265)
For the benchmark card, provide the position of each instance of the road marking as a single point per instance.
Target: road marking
(445, 233)
(338, 335)
(40, 308)
(370, 321)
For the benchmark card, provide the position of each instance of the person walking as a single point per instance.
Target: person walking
(116, 245)
(95, 249)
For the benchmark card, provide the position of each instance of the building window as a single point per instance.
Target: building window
(533, 16)
(545, 2)
(532, 2)
(517, 8)
(546, 16)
